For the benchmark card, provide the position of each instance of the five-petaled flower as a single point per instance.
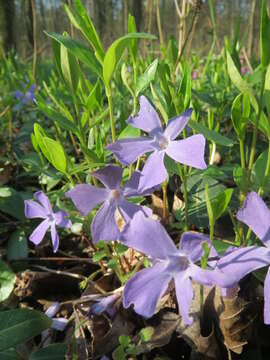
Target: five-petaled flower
(26, 97)
(86, 197)
(242, 261)
(147, 286)
(188, 151)
(41, 208)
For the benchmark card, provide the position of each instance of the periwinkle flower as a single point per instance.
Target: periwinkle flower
(147, 286)
(242, 261)
(26, 97)
(188, 151)
(41, 208)
(59, 323)
(106, 304)
(86, 197)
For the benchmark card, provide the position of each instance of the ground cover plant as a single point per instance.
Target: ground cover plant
(134, 200)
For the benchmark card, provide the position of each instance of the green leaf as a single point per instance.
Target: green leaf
(82, 22)
(133, 46)
(52, 352)
(264, 124)
(70, 67)
(56, 153)
(148, 76)
(185, 88)
(20, 325)
(39, 135)
(127, 78)
(211, 134)
(129, 132)
(7, 278)
(115, 52)
(11, 202)
(240, 114)
(9, 354)
(265, 36)
(17, 246)
(79, 50)
(220, 203)
(258, 172)
(239, 82)
(241, 178)
(147, 333)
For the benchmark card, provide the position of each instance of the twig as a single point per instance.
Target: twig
(60, 272)
(35, 40)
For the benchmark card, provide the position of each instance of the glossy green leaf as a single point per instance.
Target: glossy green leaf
(264, 124)
(79, 50)
(39, 135)
(50, 352)
(70, 67)
(56, 153)
(17, 246)
(115, 52)
(145, 79)
(129, 132)
(240, 114)
(133, 46)
(220, 203)
(20, 325)
(7, 278)
(82, 22)
(211, 134)
(265, 36)
(185, 88)
(11, 202)
(240, 83)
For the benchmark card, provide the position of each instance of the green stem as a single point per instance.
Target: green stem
(109, 97)
(164, 210)
(184, 181)
(242, 153)
(267, 171)
(255, 132)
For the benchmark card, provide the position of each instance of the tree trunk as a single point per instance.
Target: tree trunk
(7, 11)
(137, 12)
(29, 22)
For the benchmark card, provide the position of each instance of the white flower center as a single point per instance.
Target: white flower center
(162, 142)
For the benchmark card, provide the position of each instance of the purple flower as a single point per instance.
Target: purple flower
(189, 151)
(241, 262)
(27, 96)
(107, 303)
(41, 208)
(194, 74)
(147, 286)
(87, 197)
(59, 323)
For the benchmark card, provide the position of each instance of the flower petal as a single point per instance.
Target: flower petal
(87, 197)
(43, 200)
(38, 234)
(154, 171)
(55, 238)
(60, 219)
(241, 262)
(177, 124)
(145, 288)
(147, 118)
(52, 310)
(110, 176)
(189, 151)
(132, 185)
(267, 298)
(184, 294)
(59, 323)
(128, 209)
(148, 236)
(128, 150)
(34, 210)
(210, 277)
(104, 225)
(191, 244)
(256, 215)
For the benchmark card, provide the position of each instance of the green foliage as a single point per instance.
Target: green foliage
(17, 326)
(7, 278)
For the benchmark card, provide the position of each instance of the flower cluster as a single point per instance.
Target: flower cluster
(168, 264)
(27, 96)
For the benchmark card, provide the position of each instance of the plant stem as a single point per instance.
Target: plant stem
(109, 97)
(267, 170)
(164, 209)
(255, 132)
(242, 153)
(184, 181)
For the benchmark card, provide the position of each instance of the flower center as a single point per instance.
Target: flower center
(162, 142)
(115, 194)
